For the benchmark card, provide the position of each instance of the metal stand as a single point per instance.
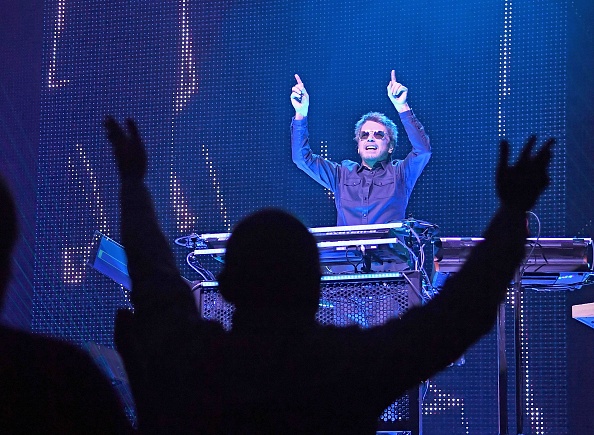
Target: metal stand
(502, 372)
(502, 362)
(518, 353)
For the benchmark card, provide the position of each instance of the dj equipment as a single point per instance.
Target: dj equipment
(383, 291)
(357, 299)
(366, 248)
(550, 263)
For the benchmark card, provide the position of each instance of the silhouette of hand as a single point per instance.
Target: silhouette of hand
(128, 148)
(520, 185)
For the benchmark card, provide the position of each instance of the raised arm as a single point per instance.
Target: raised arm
(322, 170)
(164, 308)
(158, 290)
(416, 160)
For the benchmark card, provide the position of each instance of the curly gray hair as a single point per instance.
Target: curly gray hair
(382, 119)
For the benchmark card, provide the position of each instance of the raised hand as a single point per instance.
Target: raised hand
(520, 185)
(398, 93)
(128, 148)
(299, 99)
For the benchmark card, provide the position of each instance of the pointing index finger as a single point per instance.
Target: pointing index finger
(299, 82)
(393, 76)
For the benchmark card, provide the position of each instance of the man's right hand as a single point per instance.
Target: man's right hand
(520, 185)
(128, 148)
(299, 99)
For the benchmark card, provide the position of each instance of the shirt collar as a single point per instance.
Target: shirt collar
(381, 164)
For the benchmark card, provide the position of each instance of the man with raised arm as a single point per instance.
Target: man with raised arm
(377, 190)
(278, 370)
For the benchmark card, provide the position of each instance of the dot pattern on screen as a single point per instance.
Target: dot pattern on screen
(209, 84)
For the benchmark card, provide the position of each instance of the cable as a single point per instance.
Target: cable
(421, 252)
(195, 264)
(421, 265)
(346, 257)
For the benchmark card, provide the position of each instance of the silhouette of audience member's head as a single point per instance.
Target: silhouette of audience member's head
(8, 235)
(272, 265)
(47, 386)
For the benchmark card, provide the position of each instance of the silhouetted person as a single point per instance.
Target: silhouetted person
(48, 386)
(278, 370)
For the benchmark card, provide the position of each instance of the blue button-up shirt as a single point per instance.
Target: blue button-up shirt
(363, 195)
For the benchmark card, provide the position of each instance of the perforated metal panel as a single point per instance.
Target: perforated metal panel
(365, 304)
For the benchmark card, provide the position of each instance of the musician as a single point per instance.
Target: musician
(376, 190)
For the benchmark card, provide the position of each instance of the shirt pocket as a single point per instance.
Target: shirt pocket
(382, 189)
(351, 190)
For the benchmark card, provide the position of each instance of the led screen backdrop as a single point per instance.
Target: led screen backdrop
(209, 84)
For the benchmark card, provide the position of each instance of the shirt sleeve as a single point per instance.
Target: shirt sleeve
(416, 160)
(323, 171)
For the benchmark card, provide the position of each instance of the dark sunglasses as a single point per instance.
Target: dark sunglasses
(377, 134)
